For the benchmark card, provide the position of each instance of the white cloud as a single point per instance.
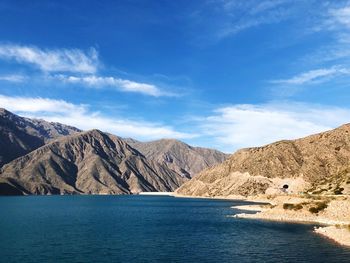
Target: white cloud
(121, 84)
(249, 125)
(82, 66)
(80, 116)
(314, 76)
(13, 78)
(228, 128)
(35, 105)
(341, 15)
(52, 60)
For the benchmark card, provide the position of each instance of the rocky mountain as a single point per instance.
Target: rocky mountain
(178, 156)
(318, 164)
(19, 136)
(86, 163)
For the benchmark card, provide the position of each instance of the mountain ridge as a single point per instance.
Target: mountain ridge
(40, 157)
(318, 163)
(179, 156)
(90, 162)
(19, 135)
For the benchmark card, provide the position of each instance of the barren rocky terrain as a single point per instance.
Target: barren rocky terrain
(178, 156)
(19, 136)
(40, 157)
(91, 163)
(318, 164)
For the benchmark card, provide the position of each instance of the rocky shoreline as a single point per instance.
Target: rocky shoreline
(333, 213)
(338, 234)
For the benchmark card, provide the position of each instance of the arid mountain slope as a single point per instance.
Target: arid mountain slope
(178, 156)
(19, 136)
(319, 164)
(90, 162)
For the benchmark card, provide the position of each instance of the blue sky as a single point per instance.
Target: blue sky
(224, 74)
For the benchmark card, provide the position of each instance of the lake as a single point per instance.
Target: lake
(150, 229)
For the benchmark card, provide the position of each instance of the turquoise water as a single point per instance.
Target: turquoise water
(149, 229)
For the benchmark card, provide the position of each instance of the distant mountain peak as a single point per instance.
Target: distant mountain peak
(2, 111)
(5, 113)
(179, 156)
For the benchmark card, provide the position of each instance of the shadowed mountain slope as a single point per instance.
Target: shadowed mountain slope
(19, 136)
(88, 163)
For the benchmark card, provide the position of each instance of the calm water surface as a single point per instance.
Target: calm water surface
(149, 229)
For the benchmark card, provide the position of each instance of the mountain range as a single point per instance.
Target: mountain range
(40, 157)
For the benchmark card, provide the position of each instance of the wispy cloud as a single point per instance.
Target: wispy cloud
(331, 53)
(80, 116)
(314, 76)
(250, 125)
(13, 78)
(335, 22)
(229, 17)
(72, 66)
(341, 16)
(263, 6)
(253, 18)
(120, 84)
(328, 59)
(52, 60)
